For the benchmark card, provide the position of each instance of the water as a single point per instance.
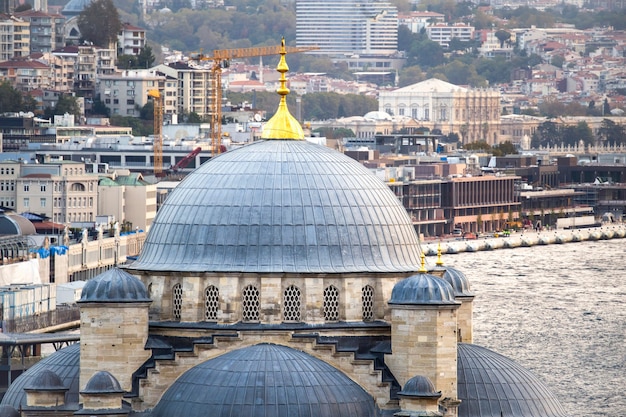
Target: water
(558, 310)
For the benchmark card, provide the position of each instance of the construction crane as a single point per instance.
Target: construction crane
(157, 143)
(221, 59)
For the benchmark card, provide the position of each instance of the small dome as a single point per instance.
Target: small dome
(64, 363)
(114, 286)
(8, 411)
(420, 386)
(422, 289)
(458, 280)
(102, 382)
(492, 385)
(265, 380)
(377, 116)
(46, 380)
(14, 224)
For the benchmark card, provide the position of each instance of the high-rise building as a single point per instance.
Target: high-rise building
(347, 27)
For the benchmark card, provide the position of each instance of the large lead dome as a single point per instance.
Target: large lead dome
(281, 206)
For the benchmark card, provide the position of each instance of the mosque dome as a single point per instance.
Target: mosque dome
(492, 385)
(114, 286)
(459, 282)
(265, 380)
(281, 206)
(64, 363)
(75, 7)
(102, 382)
(420, 386)
(422, 289)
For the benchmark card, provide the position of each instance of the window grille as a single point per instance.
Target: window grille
(177, 301)
(211, 302)
(250, 301)
(292, 302)
(331, 303)
(367, 298)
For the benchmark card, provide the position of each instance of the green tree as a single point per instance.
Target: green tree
(502, 36)
(66, 104)
(146, 58)
(127, 62)
(11, 100)
(100, 23)
(612, 133)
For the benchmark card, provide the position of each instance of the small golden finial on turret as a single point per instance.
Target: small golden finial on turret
(439, 261)
(282, 125)
(423, 267)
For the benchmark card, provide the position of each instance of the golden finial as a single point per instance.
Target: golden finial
(423, 267)
(439, 261)
(282, 125)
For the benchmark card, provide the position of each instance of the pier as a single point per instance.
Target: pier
(524, 238)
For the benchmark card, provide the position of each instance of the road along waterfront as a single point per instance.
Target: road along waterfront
(559, 311)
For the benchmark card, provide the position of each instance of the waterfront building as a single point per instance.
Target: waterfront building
(346, 28)
(473, 114)
(281, 278)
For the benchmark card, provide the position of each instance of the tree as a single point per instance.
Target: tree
(100, 23)
(66, 104)
(146, 58)
(11, 100)
(502, 36)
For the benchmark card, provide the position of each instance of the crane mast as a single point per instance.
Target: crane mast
(220, 59)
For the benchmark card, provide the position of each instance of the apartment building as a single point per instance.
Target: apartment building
(128, 198)
(416, 21)
(347, 27)
(14, 37)
(130, 40)
(26, 75)
(46, 30)
(443, 33)
(193, 89)
(126, 92)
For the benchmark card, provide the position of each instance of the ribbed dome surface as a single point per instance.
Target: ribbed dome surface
(281, 206)
(420, 386)
(102, 382)
(8, 411)
(262, 381)
(458, 280)
(492, 385)
(64, 363)
(46, 380)
(114, 286)
(422, 289)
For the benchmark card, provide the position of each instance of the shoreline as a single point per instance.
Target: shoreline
(524, 239)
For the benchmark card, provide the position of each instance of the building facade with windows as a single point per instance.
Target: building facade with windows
(126, 92)
(347, 27)
(130, 40)
(46, 30)
(473, 114)
(187, 89)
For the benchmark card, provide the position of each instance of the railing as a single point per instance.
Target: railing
(61, 315)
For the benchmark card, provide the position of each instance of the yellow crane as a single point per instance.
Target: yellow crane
(157, 144)
(221, 59)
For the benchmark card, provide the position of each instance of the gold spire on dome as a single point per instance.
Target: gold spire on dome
(282, 125)
(423, 269)
(439, 261)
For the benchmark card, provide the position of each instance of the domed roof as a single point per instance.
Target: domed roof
(15, 224)
(422, 289)
(75, 7)
(377, 116)
(114, 286)
(281, 206)
(265, 380)
(420, 386)
(458, 280)
(46, 380)
(102, 382)
(8, 411)
(492, 385)
(64, 363)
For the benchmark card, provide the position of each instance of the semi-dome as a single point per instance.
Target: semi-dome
(281, 206)
(420, 386)
(265, 380)
(492, 385)
(459, 282)
(64, 363)
(114, 286)
(422, 289)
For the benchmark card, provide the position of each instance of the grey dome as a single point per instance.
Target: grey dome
(64, 363)
(458, 280)
(8, 411)
(492, 385)
(102, 382)
(265, 380)
(281, 206)
(46, 380)
(420, 386)
(114, 286)
(422, 289)
(75, 7)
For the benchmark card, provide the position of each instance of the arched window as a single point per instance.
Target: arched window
(250, 302)
(211, 302)
(177, 301)
(367, 299)
(292, 302)
(331, 303)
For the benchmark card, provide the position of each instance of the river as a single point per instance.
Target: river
(558, 310)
